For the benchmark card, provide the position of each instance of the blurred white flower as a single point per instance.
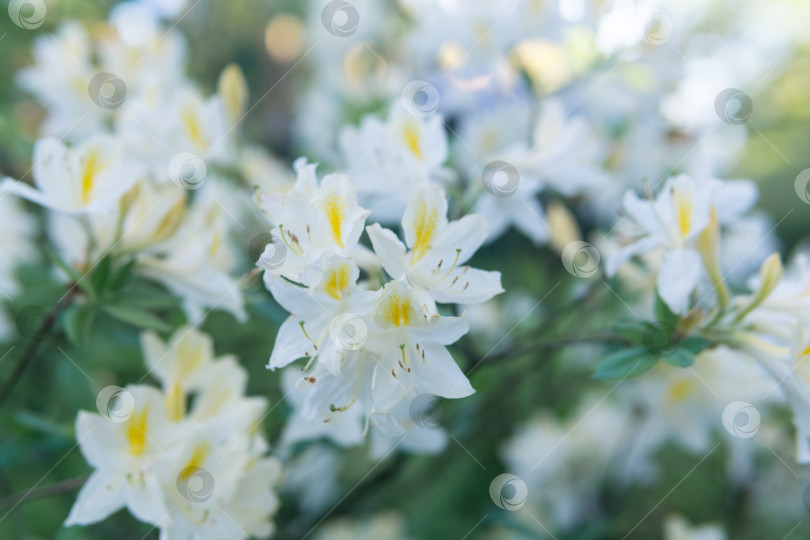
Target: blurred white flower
(89, 177)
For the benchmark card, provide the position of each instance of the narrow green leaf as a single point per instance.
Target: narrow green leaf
(695, 344)
(72, 273)
(663, 314)
(78, 322)
(101, 273)
(137, 317)
(121, 276)
(625, 363)
(680, 357)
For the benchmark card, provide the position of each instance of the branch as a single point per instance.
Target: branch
(46, 491)
(30, 351)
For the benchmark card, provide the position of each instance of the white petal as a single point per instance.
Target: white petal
(439, 374)
(291, 344)
(680, 271)
(466, 234)
(95, 501)
(472, 287)
(389, 249)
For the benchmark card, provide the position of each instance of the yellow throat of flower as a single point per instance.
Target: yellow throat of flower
(337, 281)
(137, 424)
(335, 209)
(425, 225)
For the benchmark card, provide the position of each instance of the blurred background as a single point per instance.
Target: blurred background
(528, 403)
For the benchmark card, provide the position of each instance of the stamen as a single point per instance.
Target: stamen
(301, 324)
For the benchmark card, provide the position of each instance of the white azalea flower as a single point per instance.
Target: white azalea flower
(125, 455)
(388, 159)
(16, 244)
(408, 344)
(309, 220)
(88, 177)
(197, 261)
(311, 328)
(673, 221)
(433, 261)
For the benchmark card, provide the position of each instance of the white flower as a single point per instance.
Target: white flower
(309, 220)
(674, 221)
(16, 244)
(197, 261)
(433, 262)
(89, 177)
(310, 329)
(125, 455)
(388, 159)
(408, 344)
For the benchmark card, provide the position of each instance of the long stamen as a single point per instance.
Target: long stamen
(455, 262)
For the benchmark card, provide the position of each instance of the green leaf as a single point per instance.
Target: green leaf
(121, 276)
(137, 317)
(695, 344)
(101, 273)
(625, 363)
(680, 357)
(78, 322)
(72, 273)
(148, 296)
(632, 332)
(663, 314)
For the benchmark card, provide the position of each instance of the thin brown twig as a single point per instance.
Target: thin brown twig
(30, 351)
(45, 491)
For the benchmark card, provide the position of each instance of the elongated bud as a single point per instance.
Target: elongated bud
(770, 274)
(564, 228)
(233, 90)
(707, 244)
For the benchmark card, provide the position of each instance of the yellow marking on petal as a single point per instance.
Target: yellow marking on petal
(92, 167)
(335, 209)
(425, 224)
(680, 391)
(195, 462)
(136, 431)
(189, 356)
(683, 210)
(175, 403)
(192, 126)
(171, 220)
(337, 281)
(806, 352)
(396, 310)
(410, 132)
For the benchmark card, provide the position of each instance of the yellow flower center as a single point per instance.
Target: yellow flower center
(679, 391)
(136, 432)
(335, 210)
(195, 461)
(337, 281)
(410, 132)
(683, 210)
(396, 310)
(425, 223)
(92, 167)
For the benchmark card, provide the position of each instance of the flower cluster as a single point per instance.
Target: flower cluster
(123, 186)
(196, 473)
(371, 342)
